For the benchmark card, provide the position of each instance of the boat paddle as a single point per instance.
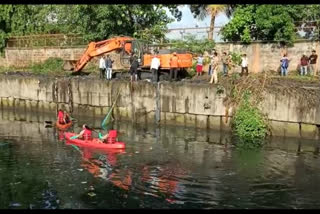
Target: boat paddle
(74, 146)
(108, 116)
(74, 137)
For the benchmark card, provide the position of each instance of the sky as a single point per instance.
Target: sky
(188, 21)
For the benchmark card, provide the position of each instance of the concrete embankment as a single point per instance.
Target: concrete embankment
(180, 103)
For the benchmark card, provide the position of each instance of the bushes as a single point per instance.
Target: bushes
(248, 124)
(51, 65)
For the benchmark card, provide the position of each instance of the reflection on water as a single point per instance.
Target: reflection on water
(167, 167)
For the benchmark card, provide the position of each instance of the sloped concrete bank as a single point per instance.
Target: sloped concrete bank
(179, 103)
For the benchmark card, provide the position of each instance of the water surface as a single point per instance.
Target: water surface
(166, 167)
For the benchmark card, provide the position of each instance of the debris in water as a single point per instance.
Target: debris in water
(83, 182)
(231, 173)
(91, 188)
(15, 205)
(80, 170)
(137, 152)
(91, 194)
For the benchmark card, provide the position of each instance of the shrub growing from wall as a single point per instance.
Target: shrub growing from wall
(248, 124)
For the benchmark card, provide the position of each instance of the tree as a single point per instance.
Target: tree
(310, 22)
(264, 22)
(193, 45)
(202, 10)
(98, 22)
(94, 22)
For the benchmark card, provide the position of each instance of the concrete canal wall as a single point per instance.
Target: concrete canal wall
(182, 104)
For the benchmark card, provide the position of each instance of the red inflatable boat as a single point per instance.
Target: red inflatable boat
(94, 143)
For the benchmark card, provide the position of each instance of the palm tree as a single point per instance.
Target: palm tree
(201, 11)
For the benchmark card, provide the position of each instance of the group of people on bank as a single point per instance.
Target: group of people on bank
(306, 64)
(227, 64)
(105, 67)
(174, 67)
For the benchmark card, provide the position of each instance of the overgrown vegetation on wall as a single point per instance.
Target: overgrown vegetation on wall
(244, 95)
(248, 124)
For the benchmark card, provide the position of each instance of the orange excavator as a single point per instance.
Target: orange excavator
(126, 46)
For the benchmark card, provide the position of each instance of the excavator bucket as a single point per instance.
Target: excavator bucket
(69, 65)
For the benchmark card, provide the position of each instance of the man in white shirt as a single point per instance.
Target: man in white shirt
(214, 68)
(102, 67)
(155, 64)
(244, 65)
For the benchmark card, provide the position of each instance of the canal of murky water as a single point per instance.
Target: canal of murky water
(166, 167)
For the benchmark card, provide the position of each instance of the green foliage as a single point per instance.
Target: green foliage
(98, 22)
(193, 45)
(264, 22)
(51, 65)
(236, 58)
(311, 20)
(249, 125)
(199, 10)
(235, 76)
(155, 33)
(192, 71)
(95, 22)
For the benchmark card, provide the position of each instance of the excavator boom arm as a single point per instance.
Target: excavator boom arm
(99, 48)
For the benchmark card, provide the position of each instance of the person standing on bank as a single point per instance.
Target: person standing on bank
(244, 65)
(214, 68)
(199, 65)
(134, 64)
(210, 70)
(284, 64)
(109, 67)
(304, 65)
(102, 67)
(174, 66)
(155, 64)
(225, 63)
(313, 62)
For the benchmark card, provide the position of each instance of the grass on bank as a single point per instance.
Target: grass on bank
(51, 66)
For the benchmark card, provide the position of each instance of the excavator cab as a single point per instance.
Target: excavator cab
(138, 47)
